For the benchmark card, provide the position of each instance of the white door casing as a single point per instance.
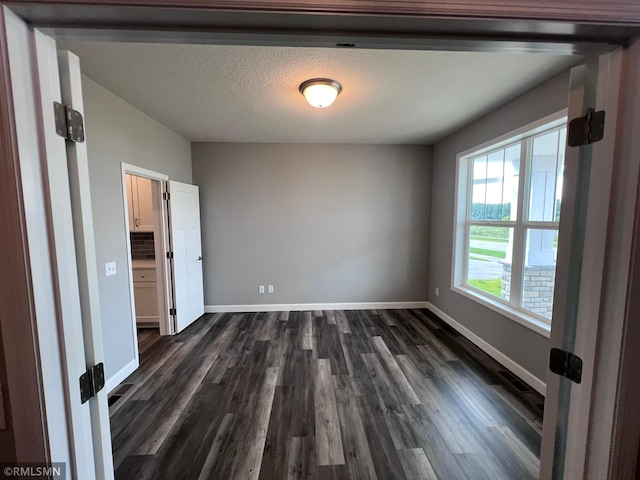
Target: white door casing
(55, 181)
(130, 210)
(184, 221)
(33, 173)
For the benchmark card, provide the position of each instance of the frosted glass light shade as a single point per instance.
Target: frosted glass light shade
(320, 92)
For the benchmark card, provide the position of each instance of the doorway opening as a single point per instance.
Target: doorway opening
(137, 222)
(147, 244)
(132, 274)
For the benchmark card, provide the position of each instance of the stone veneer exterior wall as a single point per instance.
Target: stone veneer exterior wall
(538, 285)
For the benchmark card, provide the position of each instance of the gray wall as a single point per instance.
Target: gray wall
(322, 223)
(522, 345)
(117, 132)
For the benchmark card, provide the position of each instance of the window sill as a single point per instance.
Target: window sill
(532, 323)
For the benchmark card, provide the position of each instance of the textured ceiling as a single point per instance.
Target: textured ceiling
(250, 94)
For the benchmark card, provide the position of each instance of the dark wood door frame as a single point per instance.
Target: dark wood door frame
(609, 12)
(498, 25)
(364, 24)
(24, 397)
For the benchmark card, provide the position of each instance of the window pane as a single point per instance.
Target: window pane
(479, 195)
(489, 250)
(495, 172)
(511, 182)
(495, 185)
(545, 168)
(539, 271)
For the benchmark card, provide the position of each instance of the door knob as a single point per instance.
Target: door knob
(199, 258)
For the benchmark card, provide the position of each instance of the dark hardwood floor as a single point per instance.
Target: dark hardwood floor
(327, 395)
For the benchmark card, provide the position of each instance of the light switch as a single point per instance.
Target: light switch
(270, 288)
(110, 268)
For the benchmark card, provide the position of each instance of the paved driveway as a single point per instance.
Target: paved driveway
(481, 270)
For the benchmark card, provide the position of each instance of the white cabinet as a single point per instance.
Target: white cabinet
(140, 203)
(146, 296)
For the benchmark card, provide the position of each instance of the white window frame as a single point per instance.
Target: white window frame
(461, 225)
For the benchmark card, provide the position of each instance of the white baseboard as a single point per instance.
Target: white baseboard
(120, 376)
(490, 350)
(298, 307)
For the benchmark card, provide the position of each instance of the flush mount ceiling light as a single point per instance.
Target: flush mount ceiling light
(320, 92)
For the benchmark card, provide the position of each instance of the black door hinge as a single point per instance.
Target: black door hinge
(166, 195)
(169, 254)
(566, 364)
(91, 382)
(172, 311)
(69, 122)
(586, 130)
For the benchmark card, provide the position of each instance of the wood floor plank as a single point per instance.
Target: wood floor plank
(140, 467)
(383, 453)
(298, 367)
(342, 322)
(360, 324)
(216, 447)
(519, 408)
(524, 460)
(329, 449)
(191, 437)
(387, 398)
(416, 465)
(388, 319)
(402, 434)
(346, 355)
(307, 331)
(427, 319)
(300, 458)
(267, 330)
(173, 411)
(438, 453)
(475, 466)
(406, 390)
(327, 395)
(292, 416)
(274, 464)
(148, 379)
(328, 345)
(356, 447)
(450, 424)
(250, 455)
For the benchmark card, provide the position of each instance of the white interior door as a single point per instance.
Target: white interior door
(184, 221)
(60, 228)
(78, 171)
(66, 268)
(582, 261)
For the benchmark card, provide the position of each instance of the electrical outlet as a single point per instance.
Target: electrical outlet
(270, 288)
(110, 268)
(261, 289)
(437, 291)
